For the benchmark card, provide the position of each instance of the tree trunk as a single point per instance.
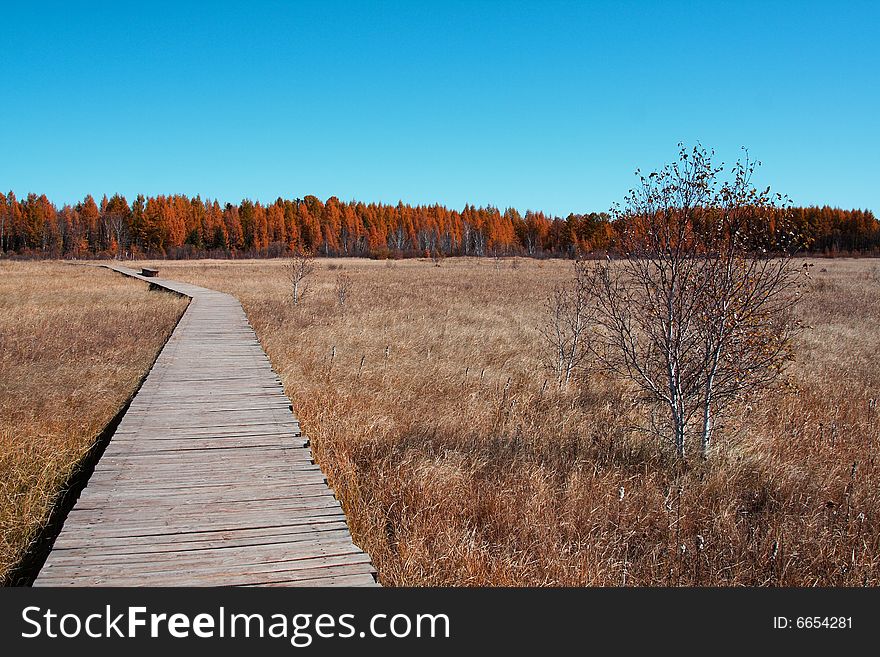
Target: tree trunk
(679, 435)
(569, 366)
(706, 438)
(677, 427)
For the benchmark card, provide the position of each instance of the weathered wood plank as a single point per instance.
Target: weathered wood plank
(207, 480)
(301, 547)
(229, 538)
(227, 573)
(225, 531)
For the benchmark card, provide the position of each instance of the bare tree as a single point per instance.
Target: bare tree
(300, 266)
(115, 217)
(750, 283)
(697, 312)
(569, 326)
(115, 227)
(343, 289)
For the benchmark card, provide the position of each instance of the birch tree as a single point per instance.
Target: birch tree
(297, 270)
(750, 284)
(696, 313)
(116, 217)
(570, 311)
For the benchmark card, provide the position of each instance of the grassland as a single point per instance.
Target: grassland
(74, 343)
(426, 402)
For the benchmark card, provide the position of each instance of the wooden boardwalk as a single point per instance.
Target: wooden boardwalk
(207, 480)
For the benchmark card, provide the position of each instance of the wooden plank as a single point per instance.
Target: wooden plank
(290, 549)
(315, 573)
(280, 489)
(224, 530)
(208, 536)
(328, 556)
(285, 507)
(207, 480)
(154, 480)
(338, 579)
(136, 544)
(286, 485)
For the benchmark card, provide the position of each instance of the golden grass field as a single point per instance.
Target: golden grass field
(74, 343)
(425, 400)
(426, 403)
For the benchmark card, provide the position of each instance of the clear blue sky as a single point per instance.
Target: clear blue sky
(537, 105)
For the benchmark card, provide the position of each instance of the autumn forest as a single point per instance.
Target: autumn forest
(178, 226)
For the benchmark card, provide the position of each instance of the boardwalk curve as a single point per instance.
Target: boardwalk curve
(207, 479)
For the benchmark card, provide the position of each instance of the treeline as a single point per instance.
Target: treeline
(178, 226)
(832, 231)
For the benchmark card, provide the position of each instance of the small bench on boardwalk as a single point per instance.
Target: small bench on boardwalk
(207, 479)
(149, 273)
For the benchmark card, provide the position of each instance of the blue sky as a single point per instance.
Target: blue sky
(542, 105)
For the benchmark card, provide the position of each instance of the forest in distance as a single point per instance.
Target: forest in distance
(179, 227)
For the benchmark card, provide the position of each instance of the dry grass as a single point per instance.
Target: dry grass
(457, 467)
(74, 342)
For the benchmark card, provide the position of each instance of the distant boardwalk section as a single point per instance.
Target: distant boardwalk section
(207, 480)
